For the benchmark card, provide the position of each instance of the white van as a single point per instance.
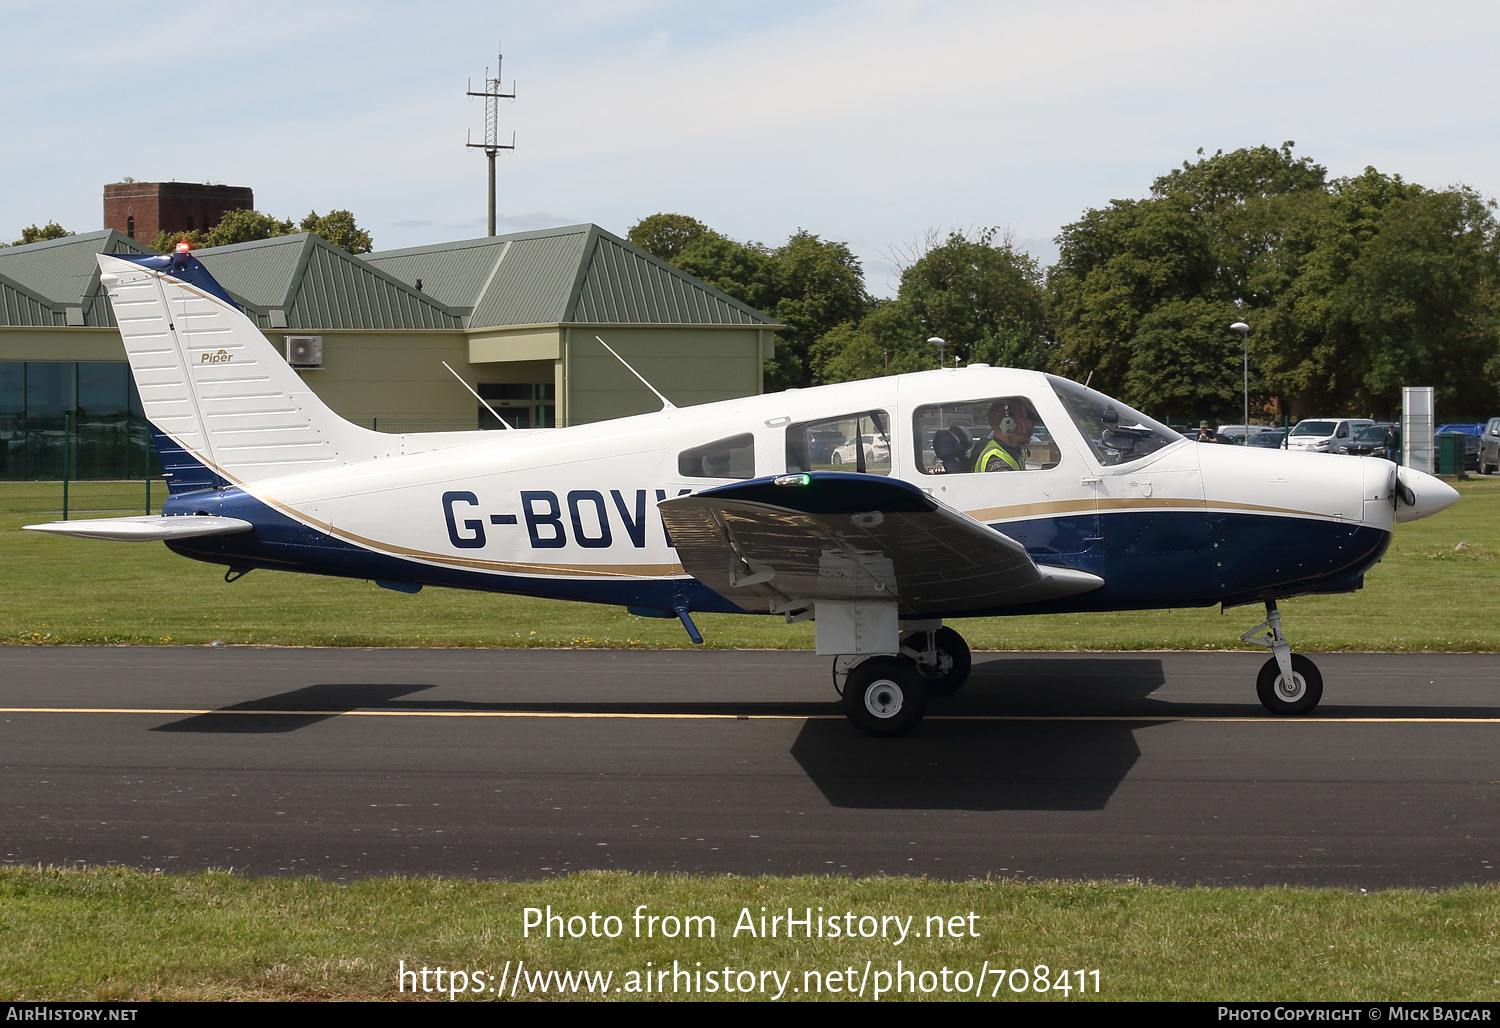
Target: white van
(1325, 435)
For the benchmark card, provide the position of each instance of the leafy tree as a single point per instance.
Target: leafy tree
(808, 284)
(983, 297)
(32, 234)
(819, 286)
(243, 226)
(1352, 288)
(667, 235)
(743, 270)
(338, 228)
(166, 242)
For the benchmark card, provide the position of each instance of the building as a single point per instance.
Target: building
(516, 316)
(140, 210)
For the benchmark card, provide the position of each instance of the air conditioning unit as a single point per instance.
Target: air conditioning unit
(304, 352)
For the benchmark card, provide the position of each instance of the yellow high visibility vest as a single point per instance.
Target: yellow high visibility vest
(992, 449)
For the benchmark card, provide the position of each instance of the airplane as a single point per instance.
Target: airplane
(882, 510)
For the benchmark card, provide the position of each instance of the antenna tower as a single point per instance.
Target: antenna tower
(492, 145)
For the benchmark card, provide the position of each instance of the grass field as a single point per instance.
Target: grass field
(135, 936)
(57, 590)
(116, 934)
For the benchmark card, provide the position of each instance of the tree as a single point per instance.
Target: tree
(819, 286)
(243, 226)
(666, 235)
(983, 297)
(338, 228)
(32, 234)
(166, 242)
(743, 270)
(1352, 288)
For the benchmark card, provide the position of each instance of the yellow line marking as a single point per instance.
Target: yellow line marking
(1159, 719)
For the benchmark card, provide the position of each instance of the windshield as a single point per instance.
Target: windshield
(1373, 434)
(1115, 433)
(1313, 428)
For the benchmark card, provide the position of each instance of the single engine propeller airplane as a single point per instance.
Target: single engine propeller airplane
(881, 509)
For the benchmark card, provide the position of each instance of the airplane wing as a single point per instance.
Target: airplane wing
(146, 528)
(783, 543)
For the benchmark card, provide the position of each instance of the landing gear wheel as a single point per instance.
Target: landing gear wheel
(951, 671)
(884, 696)
(1298, 696)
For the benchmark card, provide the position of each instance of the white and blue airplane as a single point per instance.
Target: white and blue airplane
(882, 510)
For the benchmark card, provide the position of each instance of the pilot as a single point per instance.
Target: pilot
(1012, 422)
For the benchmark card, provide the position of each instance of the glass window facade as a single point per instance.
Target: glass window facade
(521, 404)
(106, 432)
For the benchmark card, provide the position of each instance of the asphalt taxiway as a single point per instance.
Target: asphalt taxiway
(528, 763)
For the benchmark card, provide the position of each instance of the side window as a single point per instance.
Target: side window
(852, 442)
(1003, 433)
(726, 458)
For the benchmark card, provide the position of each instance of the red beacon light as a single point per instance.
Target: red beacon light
(181, 255)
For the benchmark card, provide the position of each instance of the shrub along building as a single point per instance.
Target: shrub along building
(516, 316)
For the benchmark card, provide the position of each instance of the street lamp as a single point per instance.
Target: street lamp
(1244, 331)
(938, 342)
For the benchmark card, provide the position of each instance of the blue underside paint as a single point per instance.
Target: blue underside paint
(1148, 559)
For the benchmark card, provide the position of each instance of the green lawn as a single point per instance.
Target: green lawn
(135, 936)
(58, 590)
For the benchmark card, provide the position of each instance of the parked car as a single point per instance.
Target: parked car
(877, 451)
(1471, 433)
(1237, 434)
(1325, 435)
(1489, 447)
(1370, 440)
(1268, 439)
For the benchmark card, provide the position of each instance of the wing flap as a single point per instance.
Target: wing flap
(146, 528)
(780, 544)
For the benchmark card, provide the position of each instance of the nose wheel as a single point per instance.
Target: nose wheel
(1288, 683)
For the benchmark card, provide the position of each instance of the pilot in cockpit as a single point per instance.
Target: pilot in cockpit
(1012, 421)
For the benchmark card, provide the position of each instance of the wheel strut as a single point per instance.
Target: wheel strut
(1289, 683)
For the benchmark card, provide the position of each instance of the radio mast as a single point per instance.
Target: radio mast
(492, 145)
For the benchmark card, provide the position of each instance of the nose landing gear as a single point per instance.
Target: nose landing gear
(1288, 683)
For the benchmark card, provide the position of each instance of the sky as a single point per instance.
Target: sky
(874, 123)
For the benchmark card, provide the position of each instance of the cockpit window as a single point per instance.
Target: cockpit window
(1116, 434)
(1001, 433)
(726, 458)
(853, 442)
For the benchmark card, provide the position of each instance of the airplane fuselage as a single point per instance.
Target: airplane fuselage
(572, 513)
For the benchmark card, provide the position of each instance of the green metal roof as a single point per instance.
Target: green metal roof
(21, 308)
(580, 274)
(577, 274)
(62, 273)
(319, 286)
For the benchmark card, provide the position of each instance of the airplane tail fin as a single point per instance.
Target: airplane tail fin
(230, 408)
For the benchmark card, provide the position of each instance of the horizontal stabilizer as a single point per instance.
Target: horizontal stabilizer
(788, 542)
(147, 528)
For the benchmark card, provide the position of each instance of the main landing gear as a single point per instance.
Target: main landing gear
(1289, 683)
(887, 696)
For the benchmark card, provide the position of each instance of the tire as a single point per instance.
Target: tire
(954, 661)
(884, 696)
(1304, 694)
(834, 458)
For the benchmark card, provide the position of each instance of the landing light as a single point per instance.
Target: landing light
(802, 479)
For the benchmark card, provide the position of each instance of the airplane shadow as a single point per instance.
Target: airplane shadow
(996, 765)
(320, 701)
